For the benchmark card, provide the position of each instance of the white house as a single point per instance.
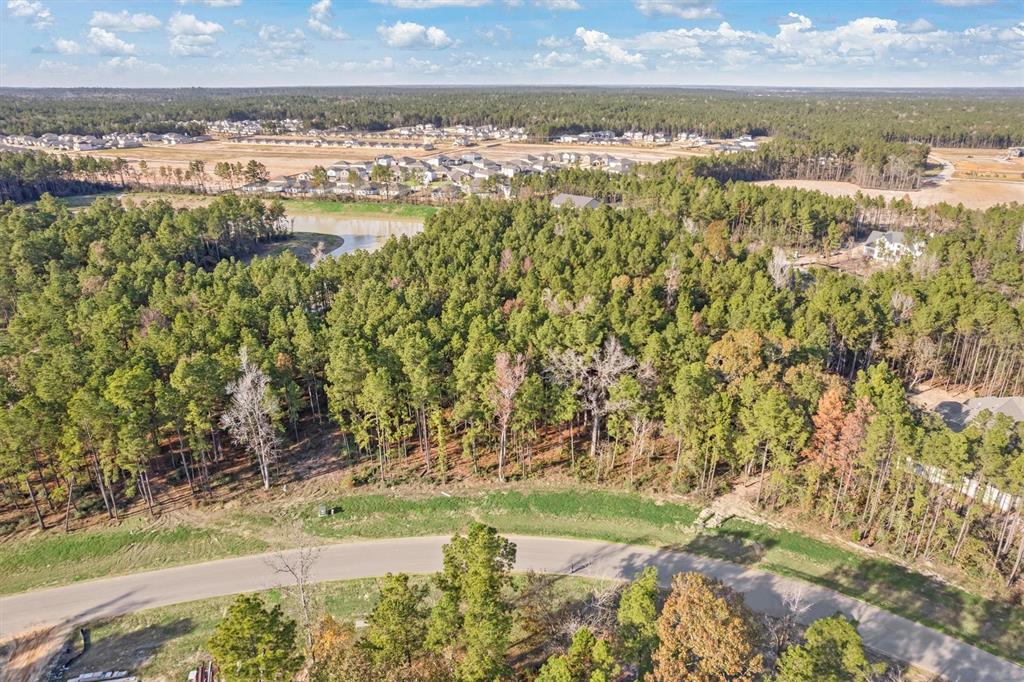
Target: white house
(892, 246)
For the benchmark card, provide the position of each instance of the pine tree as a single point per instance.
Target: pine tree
(254, 644)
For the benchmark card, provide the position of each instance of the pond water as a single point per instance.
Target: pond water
(358, 233)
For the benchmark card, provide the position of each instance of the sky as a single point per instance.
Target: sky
(226, 43)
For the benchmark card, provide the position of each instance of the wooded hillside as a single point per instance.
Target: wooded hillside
(677, 356)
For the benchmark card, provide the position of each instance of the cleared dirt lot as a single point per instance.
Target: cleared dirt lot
(279, 160)
(982, 164)
(971, 193)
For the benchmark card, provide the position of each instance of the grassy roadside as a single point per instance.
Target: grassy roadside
(595, 514)
(167, 642)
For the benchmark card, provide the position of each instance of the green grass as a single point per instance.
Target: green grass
(52, 559)
(360, 208)
(578, 513)
(167, 642)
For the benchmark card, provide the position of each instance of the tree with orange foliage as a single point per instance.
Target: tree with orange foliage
(706, 634)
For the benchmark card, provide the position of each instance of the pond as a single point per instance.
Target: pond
(358, 233)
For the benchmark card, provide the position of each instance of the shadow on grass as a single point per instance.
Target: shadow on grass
(129, 650)
(988, 624)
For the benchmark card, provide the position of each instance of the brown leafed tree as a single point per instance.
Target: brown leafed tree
(509, 374)
(706, 634)
(828, 427)
(848, 448)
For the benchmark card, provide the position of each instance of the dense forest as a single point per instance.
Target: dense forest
(475, 622)
(978, 118)
(882, 165)
(25, 176)
(666, 345)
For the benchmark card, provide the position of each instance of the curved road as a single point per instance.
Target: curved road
(889, 634)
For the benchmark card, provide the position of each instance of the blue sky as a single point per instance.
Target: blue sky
(389, 42)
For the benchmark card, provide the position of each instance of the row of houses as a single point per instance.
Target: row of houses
(465, 134)
(468, 173)
(246, 127)
(743, 143)
(346, 143)
(92, 142)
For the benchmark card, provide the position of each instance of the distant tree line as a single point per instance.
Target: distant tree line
(977, 118)
(25, 176)
(869, 164)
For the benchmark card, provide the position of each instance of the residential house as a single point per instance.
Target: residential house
(958, 415)
(891, 246)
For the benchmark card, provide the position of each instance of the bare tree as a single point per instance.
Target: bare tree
(780, 270)
(672, 280)
(593, 380)
(925, 265)
(902, 306)
(252, 414)
(317, 253)
(299, 566)
(782, 630)
(1020, 239)
(509, 376)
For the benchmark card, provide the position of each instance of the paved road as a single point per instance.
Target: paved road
(887, 633)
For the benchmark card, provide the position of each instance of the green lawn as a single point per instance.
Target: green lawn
(597, 514)
(360, 208)
(167, 642)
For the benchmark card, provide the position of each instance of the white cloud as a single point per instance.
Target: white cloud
(432, 4)
(104, 42)
(383, 64)
(964, 3)
(134, 64)
(920, 26)
(192, 37)
(408, 34)
(866, 45)
(188, 25)
(553, 60)
(320, 17)
(56, 66)
(684, 9)
(193, 46)
(214, 3)
(553, 42)
(66, 46)
(497, 34)
(422, 66)
(602, 44)
(59, 46)
(279, 42)
(32, 11)
(123, 21)
(559, 5)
